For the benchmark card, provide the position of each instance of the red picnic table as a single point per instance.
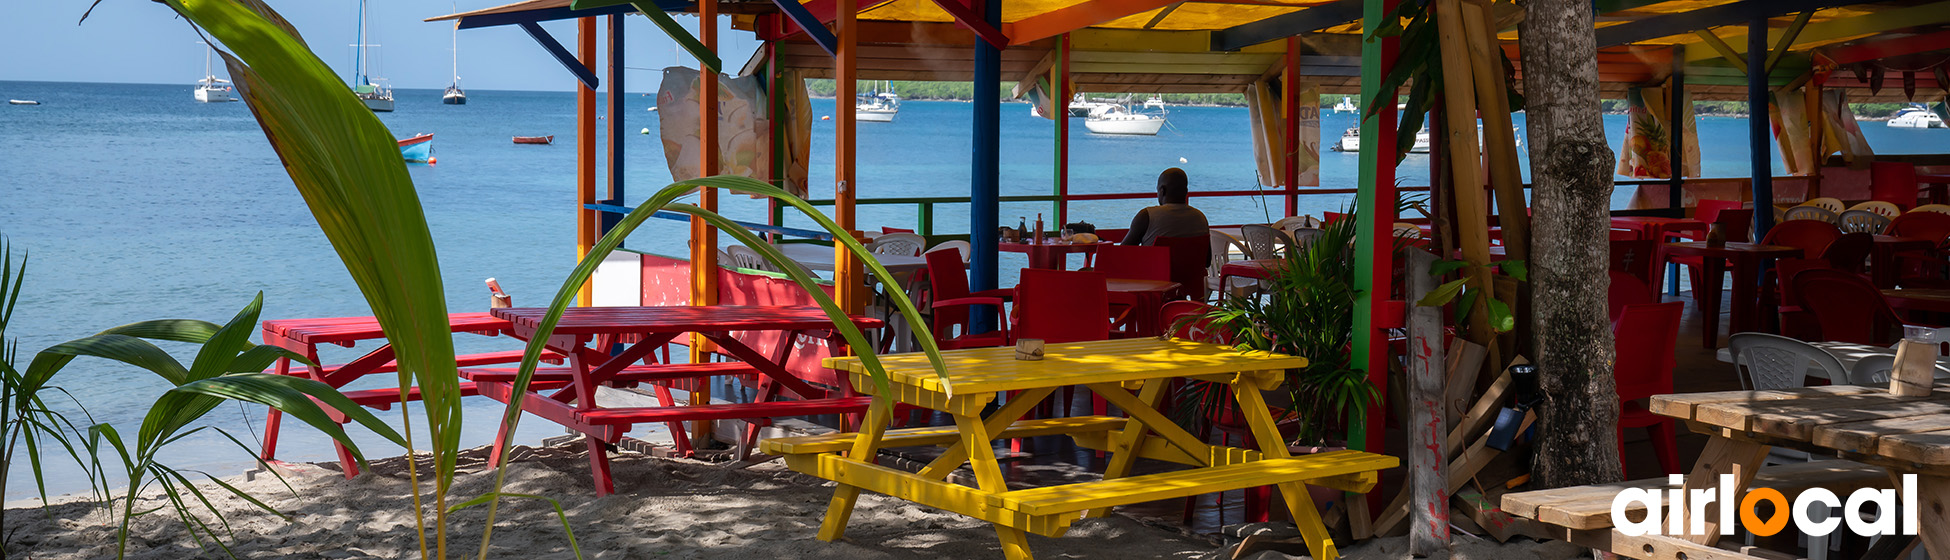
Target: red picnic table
(585, 334)
(304, 336)
(1052, 254)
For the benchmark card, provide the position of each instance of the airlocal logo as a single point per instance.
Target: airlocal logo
(1694, 502)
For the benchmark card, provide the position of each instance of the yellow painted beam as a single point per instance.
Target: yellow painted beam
(1786, 41)
(1721, 47)
(1847, 28)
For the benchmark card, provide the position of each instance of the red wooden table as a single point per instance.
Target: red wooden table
(585, 334)
(1656, 228)
(1052, 254)
(1746, 259)
(1883, 262)
(1939, 186)
(1145, 297)
(304, 336)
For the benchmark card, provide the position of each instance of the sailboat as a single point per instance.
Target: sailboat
(1120, 119)
(454, 95)
(212, 89)
(377, 97)
(878, 106)
(1346, 106)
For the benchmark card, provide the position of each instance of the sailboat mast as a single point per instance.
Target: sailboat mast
(207, 71)
(456, 46)
(360, 66)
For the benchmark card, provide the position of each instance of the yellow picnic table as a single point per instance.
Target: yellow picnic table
(1112, 369)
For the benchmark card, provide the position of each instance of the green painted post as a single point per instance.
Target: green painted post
(1376, 207)
(926, 218)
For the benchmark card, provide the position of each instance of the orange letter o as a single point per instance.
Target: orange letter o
(1751, 520)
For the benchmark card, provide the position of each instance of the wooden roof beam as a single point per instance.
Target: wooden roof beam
(1078, 16)
(1309, 20)
(811, 24)
(966, 17)
(1848, 28)
(1885, 48)
(1708, 17)
(1029, 78)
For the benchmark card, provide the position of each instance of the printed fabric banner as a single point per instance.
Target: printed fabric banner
(744, 131)
(1789, 114)
(1263, 105)
(1840, 134)
(1647, 152)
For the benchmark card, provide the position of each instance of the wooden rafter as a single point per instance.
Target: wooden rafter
(1852, 27)
(1787, 39)
(1078, 16)
(1885, 48)
(1029, 78)
(966, 17)
(1312, 19)
(1689, 21)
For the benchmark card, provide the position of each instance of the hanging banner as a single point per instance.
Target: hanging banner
(1647, 151)
(744, 131)
(1788, 112)
(1840, 134)
(1263, 105)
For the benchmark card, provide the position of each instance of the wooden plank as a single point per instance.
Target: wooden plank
(1054, 500)
(1722, 456)
(1863, 436)
(1683, 406)
(1739, 415)
(1800, 424)
(937, 435)
(1499, 135)
(1483, 413)
(1465, 366)
(1077, 16)
(1929, 448)
(1655, 547)
(1427, 456)
(1845, 28)
(1464, 157)
(1498, 523)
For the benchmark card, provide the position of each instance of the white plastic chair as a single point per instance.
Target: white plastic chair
(1938, 208)
(1830, 204)
(1771, 362)
(904, 244)
(1263, 242)
(955, 245)
(1222, 246)
(1863, 221)
(740, 256)
(1885, 208)
(1805, 212)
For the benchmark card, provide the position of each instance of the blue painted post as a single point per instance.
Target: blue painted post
(616, 132)
(984, 194)
(1757, 127)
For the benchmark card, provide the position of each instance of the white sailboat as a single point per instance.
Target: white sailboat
(377, 97)
(877, 106)
(1916, 116)
(212, 89)
(1351, 140)
(454, 95)
(1119, 119)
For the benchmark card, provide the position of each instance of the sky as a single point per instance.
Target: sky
(134, 41)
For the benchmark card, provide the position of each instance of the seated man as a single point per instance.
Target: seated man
(1172, 217)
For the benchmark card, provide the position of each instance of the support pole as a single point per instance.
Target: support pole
(1676, 114)
(1372, 247)
(586, 219)
(614, 135)
(1757, 124)
(847, 280)
(1060, 83)
(985, 207)
(776, 112)
(1290, 93)
(1428, 453)
(704, 238)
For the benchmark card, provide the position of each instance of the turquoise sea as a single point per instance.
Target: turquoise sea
(134, 202)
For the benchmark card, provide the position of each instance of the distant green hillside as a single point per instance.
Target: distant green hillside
(964, 91)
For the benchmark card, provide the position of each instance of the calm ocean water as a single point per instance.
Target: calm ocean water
(137, 203)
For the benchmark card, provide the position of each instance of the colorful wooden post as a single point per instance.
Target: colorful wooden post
(1676, 111)
(704, 238)
(1373, 249)
(586, 219)
(1757, 127)
(984, 193)
(1290, 126)
(847, 280)
(1060, 88)
(616, 118)
(1428, 449)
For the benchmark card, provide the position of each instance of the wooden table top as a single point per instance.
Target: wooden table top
(342, 330)
(1656, 220)
(1731, 248)
(1898, 240)
(988, 370)
(1133, 285)
(1862, 423)
(1051, 244)
(679, 318)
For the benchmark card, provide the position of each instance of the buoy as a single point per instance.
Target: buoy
(1181, 160)
(826, 117)
(646, 130)
(433, 160)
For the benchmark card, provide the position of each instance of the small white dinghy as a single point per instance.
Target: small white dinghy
(22, 102)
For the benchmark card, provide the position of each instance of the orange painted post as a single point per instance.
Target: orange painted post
(587, 221)
(1291, 90)
(704, 238)
(848, 282)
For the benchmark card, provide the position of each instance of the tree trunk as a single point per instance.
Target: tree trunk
(1571, 167)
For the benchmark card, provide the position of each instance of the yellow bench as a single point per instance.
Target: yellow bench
(938, 435)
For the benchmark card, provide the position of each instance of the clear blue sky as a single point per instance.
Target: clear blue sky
(144, 42)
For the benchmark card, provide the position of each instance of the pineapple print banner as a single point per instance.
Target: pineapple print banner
(744, 128)
(1647, 152)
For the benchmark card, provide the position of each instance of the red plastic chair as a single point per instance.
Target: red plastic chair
(1735, 222)
(1922, 268)
(1811, 236)
(1849, 309)
(1850, 252)
(948, 280)
(1138, 262)
(1190, 256)
(885, 229)
(1645, 337)
(1792, 321)
(1894, 182)
(1062, 306)
(1625, 290)
(1637, 258)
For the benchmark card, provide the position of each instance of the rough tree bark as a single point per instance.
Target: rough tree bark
(1571, 169)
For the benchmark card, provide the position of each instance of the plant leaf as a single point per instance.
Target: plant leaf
(1443, 294)
(122, 348)
(1444, 267)
(217, 354)
(175, 330)
(1501, 320)
(1515, 269)
(294, 395)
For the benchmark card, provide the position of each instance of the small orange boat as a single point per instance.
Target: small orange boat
(550, 139)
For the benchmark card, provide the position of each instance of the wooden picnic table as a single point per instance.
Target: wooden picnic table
(1865, 424)
(304, 336)
(1882, 261)
(1110, 368)
(586, 334)
(1052, 254)
(1746, 259)
(1145, 298)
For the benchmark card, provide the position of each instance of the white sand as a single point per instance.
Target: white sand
(665, 508)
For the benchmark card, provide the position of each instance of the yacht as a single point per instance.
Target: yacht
(1119, 119)
(454, 95)
(1351, 140)
(377, 97)
(1155, 102)
(1346, 106)
(877, 106)
(1916, 116)
(212, 89)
